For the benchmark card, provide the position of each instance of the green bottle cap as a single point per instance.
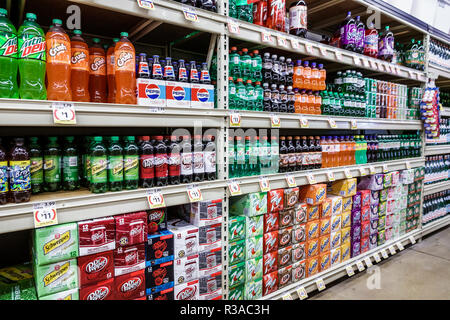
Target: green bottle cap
(115, 138)
(130, 138)
(124, 34)
(98, 139)
(34, 139)
(30, 16)
(52, 139)
(3, 12)
(70, 138)
(116, 40)
(96, 40)
(77, 32)
(57, 21)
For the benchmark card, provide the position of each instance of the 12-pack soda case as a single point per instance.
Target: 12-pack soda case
(286, 235)
(138, 255)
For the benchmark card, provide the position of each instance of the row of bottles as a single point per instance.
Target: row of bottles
(436, 206)
(440, 53)
(437, 168)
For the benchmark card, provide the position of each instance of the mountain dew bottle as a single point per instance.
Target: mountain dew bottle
(8, 57)
(32, 60)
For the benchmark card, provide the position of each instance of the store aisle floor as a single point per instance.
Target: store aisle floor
(420, 272)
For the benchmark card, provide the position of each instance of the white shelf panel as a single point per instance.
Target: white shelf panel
(435, 225)
(445, 112)
(82, 204)
(435, 187)
(431, 150)
(436, 71)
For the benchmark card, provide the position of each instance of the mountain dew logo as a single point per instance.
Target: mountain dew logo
(8, 45)
(32, 47)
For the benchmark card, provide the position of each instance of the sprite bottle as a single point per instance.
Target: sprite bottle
(115, 165)
(98, 166)
(32, 60)
(70, 165)
(131, 163)
(37, 166)
(52, 165)
(8, 57)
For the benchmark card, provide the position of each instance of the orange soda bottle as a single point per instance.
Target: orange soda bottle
(324, 144)
(110, 72)
(125, 68)
(297, 101)
(97, 72)
(317, 103)
(339, 152)
(306, 76)
(314, 77)
(352, 150)
(311, 102)
(58, 63)
(298, 75)
(304, 102)
(80, 68)
(322, 78)
(333, 160)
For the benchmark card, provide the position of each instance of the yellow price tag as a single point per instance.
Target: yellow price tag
(311, 178)
(290, 181)
(332, 123)
(304, 123)
(360, 266)
(190, 13)
(146, 4)
(44, 214)
(194, 194)
(234, 187)
(320, 284)
(330, 175)
(275, 121)
(302, 294)
(64, 113)
(264, 184)
(156, 199)
(354, 124)
(348, 174)
(368, 262)
(350, 271)
(235, 119)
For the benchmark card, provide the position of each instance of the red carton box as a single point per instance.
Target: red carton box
(298, 252)
(286, 218)
(284, 257)
(270, 242)
(270, 262)
(299, 233)
(298, 271)
(270, 283)
(96, 235)
(284, 276)
(103, 290)
(285, 237)
(300, 213)
(131, 228)
(275, 200)
(290, 197)
(130, 286)
(271, 221)
(156, 220)
(95, 268)
(129, 259)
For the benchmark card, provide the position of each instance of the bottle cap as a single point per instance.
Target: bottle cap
(77, 32)
(116, 40)
(30, 16)
(124, 34)
(3, 11)
(57, 21)
(70, 138)
(114, 138)
(96, 40)
(98, 139)
(130, 138)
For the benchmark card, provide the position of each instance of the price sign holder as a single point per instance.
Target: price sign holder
(311, 178)
(264, 184)
(362, 172)
(360, 266)
(330, 175)
(304, 123)
(194, 193)
(408, 165)
(377, 258)
(266, 37)
(385, 168)
(320, 284)
(368, 262)
(190, 13)
(374, 64)
(372, 170)
(64, 113)
(400, 246)
(282, 41)
(294, 44)
(357, 60)
(354, 124)
(392, 250)
(338, 55)
(302, 294)
(275, 121)
(235, 119)
(309, 48)
(332, 123)
(350, 271)
(233, 26)
(287, 297)
(234, 187)
(323, 51)
(146, 4)
(366, 63)
(348, 174)
(156, 199)
(44, 214)
(412, 239)
(290, 181)
(384, 254)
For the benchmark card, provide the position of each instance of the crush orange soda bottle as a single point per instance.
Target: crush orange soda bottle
(80, 68)
(125, 68)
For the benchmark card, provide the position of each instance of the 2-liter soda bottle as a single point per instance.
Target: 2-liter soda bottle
(174, 160)
(32, 59)
(80, 68)
(97, 72)
(52, 165)
(131, 163)
(8, 57)
(186, 160)
(4, 183)
(147, 169)
(37, 166)
(161, 162)
(58, 63)
(70, 165)
(98, 166)
(111, 71)
(19, 166)
(115, 164)
(198, 161)
(125, 59)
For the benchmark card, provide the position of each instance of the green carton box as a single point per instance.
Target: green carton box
(56, 277)
(236, 252)
(253, 290)
(236, 227)
(236, 275)
(253, 269)
(236, 293)
(17, 283)
(252, 204)
(254, 226)
(72, 294)
(55, 243)
(253, 247)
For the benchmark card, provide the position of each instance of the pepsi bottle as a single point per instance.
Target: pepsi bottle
(182, 72)
(157, 71)
(143, 70)
(193, 73)
(169, 72)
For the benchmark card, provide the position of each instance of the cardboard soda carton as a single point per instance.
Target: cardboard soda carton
(284, 276)
(95, 268)
(252, 204)
(291, 197)
(151, 92)
(162, 295)
(300, 213)
(324, 261)
(345, 235)
(335, 256)
(324, 244)
(160, 247)
(313, 194)
(355, 232)
(299, 233)
(210, 287)
(55, 243)
(202, 96)
(72, 294)
(345, 252)
(159, 277)
(312, 248)
(374, 226)
(253, 290)
(344, 188)
(346, 220)
(312, 266)
(365, 214)
(17, 283)
(336, 222)
(355, 217)
(56, 277)
(373, 241)
(236, 275)
(185, 269)
(298, 252)
(275, 200)
(236, 293)
(210, 237)
(270, 262)
(326, 208)
(130, 286)
(253, 247)
(312, 229)
(373, 182)
(185, 238)
(384, 194)
(96, 235)
(178, 94)
(254, 226)
(270, 242)
(271, 222)
(284, 257)
(236, 252)
(347, 204)
(312, 212)
(156, 220)
(374, 197)
(237, 228)
(365, 244)
(210, 262)
(335, 239)
(253, 269)
(131, 228)
(365, 229)
(103, 290)
(298, 271)
(129, 259)
(187, 291)
(206, 213)
(336, 204)
(285, 237)
(374, 211)
(286, 218)
(355, 248)
(270, 283)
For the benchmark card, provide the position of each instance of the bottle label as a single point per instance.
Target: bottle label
(186, 163)
(299, 160)
(205, 76)
(359, 38)
(161, 169)
(169, 72)
(306, 158)
(284, 160)
(147, 166)
(348, 34)
(182, 74)
(8, 45)
(210, 161)
(97, 64)
(199, 165)
(4, 176)
(79, 59)
(70, 168)
(115, 168)
(125, 61)
(20, 178)
(52, 169)
(298, 17)
(58, 51)
(240, 155)
(143, 68)
(37, 170)
(386, 46)
(193, 75)
(174, 164)
(32, 47)
(371, 42)
(110, 65)
(98, 169)
(232, 90)
(131, 167)
(157, 70)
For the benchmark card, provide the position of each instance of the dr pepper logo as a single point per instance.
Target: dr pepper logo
(130, 285)
(187, 293)
(99, 294)
(97, 265)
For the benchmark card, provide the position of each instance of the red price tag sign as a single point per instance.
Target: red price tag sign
(190, 13)
(235, 119)
(156, 199)
(234, 187)
(275, 121)
(44, 214)
(146, 4)
(266, 37)
(233, 26)
(64, 113)
(194, 194)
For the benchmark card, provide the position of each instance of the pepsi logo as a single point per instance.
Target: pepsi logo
(152, 91)
(203, 95)
(178, 93)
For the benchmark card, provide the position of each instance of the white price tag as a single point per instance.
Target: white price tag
(44, 214)
(411, 74)
(338, 55)
(311, 178)
(309, 48)
(294, 44)
(332, 123)
(323, 51)
(362, 172)
(360, 266)
(266, 37)
(357, 60)
(190, 13)
(304, 123)
(146, 4)
(353, 124)
(156, 199)
(348, 174)
(377, 258)
(400, 246)
(302, 294)
(233, 26)
(290, 181)
(368, 262)
(194, 194)
(64, 113)
(330, 175)
(234, 187)
(282, 41)
(385, 168)
(350, 271)
(372, 170)
(235, 119)
(397, 70)
(366, 63)
(408, 165)
(412, 239)
(275, 121)
(320, 284)
(392, 250)
(287, 297)
(384, 254)
(374, 64)
(264, 184)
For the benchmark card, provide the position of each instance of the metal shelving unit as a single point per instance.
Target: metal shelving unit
(431, 150)
(435, 187)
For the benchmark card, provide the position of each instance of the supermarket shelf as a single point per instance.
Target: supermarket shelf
(438, 149)
(339, 270)
(165, 11)
(254, 119)
(435, 225)
(81, 205)
(436, 187)
(436, 71)
(251, 184)
(445, 112)
(39, 113)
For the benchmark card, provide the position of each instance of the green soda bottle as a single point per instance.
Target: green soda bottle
(98, 166)
(235, 64)
(70, 165)
(274, 155)
(240, 157)
(131, 163)
(256, 67)
(259, 94)
(52, 165)
(115, 165)
(37, 166)
(86, 161)
(231, 158)
(231, 94)
(246, 65)
(250, 96)
(8, 57)
(241, 95)
(32, 60)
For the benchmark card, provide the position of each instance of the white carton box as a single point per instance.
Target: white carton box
(187, 291)
(210, 262)
(185, 238)
(185, 269)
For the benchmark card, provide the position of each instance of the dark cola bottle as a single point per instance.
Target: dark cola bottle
(198, 161)
(283, 99)
(210, 158)
(174, 160)
(147, 168)
(186, 160)
(267, 105)
(161, 162)
(267, 68)
(157, 69)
